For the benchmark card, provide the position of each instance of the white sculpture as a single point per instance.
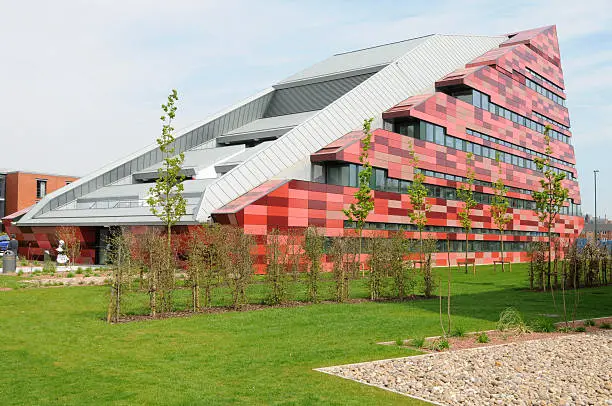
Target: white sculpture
(62, 258)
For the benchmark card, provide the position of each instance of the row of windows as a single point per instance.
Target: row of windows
(542, 79)
(457, 178)
(444, 229)
(346, 174)
(551, 121)
(520, 148)
(454, 245)
(545, 92)
(437, 134)
(482, 101)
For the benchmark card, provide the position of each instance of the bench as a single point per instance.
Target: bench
(502, 262)
(467, 261)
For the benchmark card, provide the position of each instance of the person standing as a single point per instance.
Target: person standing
(14, 245)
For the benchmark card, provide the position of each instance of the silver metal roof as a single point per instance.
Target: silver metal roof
(367, 60)
(265, 128)
(241, 157)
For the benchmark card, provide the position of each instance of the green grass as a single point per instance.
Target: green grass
(56, 349)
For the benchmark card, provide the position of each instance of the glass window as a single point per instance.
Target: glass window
(450, 142)
(429, 132)
(41, 188)
(439, 135)
(379, 176)
(353, 175)
(477, 149)
(459, 144)
(477, 102)
(392, 185)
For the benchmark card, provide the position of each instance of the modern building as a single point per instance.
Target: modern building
(288, 156)
(21, 189)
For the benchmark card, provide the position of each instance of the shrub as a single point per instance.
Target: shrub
(605, 326)
(276, 277)
(48, 267)
(79, 271)
(510, 319)
(589, 322)
(440, 344)
(399, 342)
(580, 329)
(418, 342)
(20, 273)
(483, 338)
(458, 331)
(543, 325)
(69, 275)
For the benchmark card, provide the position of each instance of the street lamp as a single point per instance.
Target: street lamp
(595, 172)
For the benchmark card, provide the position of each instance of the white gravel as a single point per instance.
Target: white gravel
(569, 370)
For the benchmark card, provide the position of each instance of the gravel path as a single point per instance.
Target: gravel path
(569, 370)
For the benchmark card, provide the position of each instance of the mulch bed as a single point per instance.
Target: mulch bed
(250, 307)
(504, 337)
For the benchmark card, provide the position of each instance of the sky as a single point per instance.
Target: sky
(82, 82)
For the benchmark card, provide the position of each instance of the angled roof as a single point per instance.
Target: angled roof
(366, 60)
(302, 113)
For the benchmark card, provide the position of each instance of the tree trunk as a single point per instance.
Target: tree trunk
(360, 251)
(466, 250)
(448, 302)
(502, 251)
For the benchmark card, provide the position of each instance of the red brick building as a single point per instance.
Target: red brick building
(20, 189)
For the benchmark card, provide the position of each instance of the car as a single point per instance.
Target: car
(4, 243)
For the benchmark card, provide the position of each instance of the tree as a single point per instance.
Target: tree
(418, 199)
(122, 264)
(499, 207)
(314, 249)
(465, 193)
(549, 200)
(72, 242)
(166, 199)
(276, 274)
(401, 270)
(359, 211)
(240, 272)
(340, 252)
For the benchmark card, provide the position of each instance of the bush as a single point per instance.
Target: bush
(458, 331)
(399, 342)
(543, 325)
(589, 322)
(510, 319)
(20, 273)
(69, 275)
(79, 271)
(605, 326)
(418, 342)
(440, 344)
(48, 267)
(580, 329)
(483, 338)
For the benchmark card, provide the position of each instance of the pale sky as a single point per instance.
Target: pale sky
(82, 81)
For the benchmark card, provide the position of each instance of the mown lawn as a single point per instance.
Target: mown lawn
(56, 349)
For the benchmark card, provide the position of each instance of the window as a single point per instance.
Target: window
(41, 188)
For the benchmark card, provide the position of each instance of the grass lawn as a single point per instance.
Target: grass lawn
(55, 348)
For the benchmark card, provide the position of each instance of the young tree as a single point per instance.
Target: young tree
(276, 275)
(379, 261)
(313, 248)
(340, 251)
(121, 243)
(401, 270)
(240, 272)
(418, 198)
(72, 242)
(549, 200)
(359, 211)
(166, 199)
(465, 193)
(499, 207)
